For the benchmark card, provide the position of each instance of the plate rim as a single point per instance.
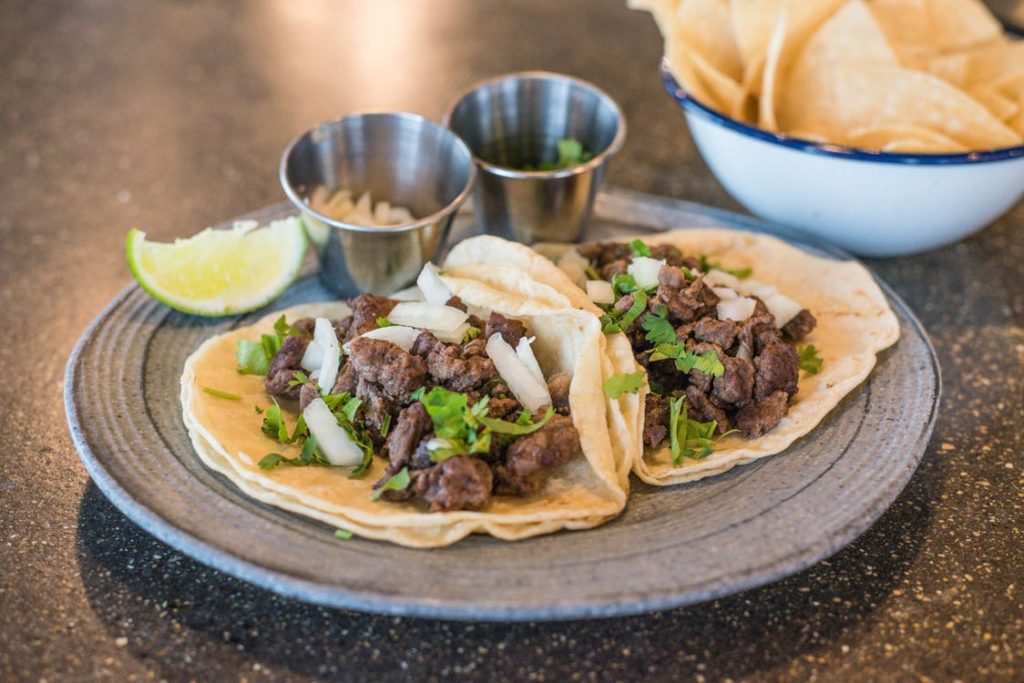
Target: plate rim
(167, 531)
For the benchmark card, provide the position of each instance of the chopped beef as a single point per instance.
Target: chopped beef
(286, 362)
(413, 425)
(449, 365)
(376, 406)
(347, 380)
(673, 257)
(558, 387)
(655, 420)
(755, 333)
(421, 457)
(510, 330)
(459, 483)
(736, 385)
(603, 253)
(307, 392)
(529, 460)
(699, 408)
(304, 326)
(397, 372)
(625, 303)
(778, 369)
(684, 302)
(800, 326)
(366, 308)
(341, 328)
(721, 332)
(502, 408)
(614, 268)
(477, 347)
(762, 415)
(456, 302)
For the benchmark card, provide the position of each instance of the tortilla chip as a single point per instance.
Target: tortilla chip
(703, 27)
(935, 26)
(851, 34)
(1001, 106)
(902, 139)
(841, 96)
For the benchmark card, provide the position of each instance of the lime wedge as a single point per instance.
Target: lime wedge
(220, 272)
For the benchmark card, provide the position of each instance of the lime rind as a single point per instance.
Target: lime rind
(216, 272)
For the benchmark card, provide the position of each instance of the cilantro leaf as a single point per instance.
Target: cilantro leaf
(271, 460)
(639, 248)
(398, 482)
(250, 357)
(738, 273)
(446, 409)
(612, 323)
(472, 333)
(222, 394)
(351, 407)
(628, 383)
(517, 428)
(810, 361)
(659, 330)
(591, 273)
(384, 322)
(385, 425)
(273, 424)
(343, 534)
(298, 379)
(689, 438)
(707, 362)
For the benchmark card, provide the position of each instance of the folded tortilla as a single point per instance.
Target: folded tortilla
(584, 493)
(855, 323)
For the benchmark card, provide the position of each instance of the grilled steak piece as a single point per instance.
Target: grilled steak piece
(558, 387)
(459, 483)
(451, 365)
(529, 460)
(758, 417)
(736, 385)
(283, 366)
(701, 409)
(800, 326)
(510, 330)
(397, 372)
(366, 308)
(721, 332)
(655, 420)
(778, 369)
(413, 425)
(685, 302)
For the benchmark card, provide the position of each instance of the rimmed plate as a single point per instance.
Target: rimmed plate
(672, 546)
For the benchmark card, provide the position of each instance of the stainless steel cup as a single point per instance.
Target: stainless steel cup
(517, 120)
(401, 158)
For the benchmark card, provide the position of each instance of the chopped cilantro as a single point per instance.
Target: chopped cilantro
(810, 361)
(738, 273)
(383, 322)
(298, 379)
(222, 394)
(271, 460)
(446, 409)
(689, 438)
(570, 153)
(343, 534)
(624, 283)
(253, 358)
(517, 428)
(612, 322)
(628, 383)
(351, 407)
(591, 273)
(706, 362)
(398, 482)
(259, 411)
(639, 248)
(385, 425)
(472, 333)
(273, 424)
(658, 329)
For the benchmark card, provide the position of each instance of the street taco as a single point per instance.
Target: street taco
(746, 342)
(476, 411)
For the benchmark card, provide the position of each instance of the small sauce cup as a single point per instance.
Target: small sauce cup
(516, 121)
(400, 158)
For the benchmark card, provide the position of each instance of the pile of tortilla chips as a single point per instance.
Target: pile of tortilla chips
(911, 76)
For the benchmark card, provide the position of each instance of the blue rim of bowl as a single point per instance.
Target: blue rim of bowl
(691, 105)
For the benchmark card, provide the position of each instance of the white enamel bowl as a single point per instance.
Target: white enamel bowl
(869, 203)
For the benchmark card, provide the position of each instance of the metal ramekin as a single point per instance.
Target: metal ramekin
(401, 158)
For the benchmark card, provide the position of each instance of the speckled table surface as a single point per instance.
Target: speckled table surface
(171, 116)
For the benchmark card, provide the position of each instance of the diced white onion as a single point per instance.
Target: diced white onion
(324, 335)
(574, 265)
(524, 351)
(313, 357)
(724, 292)
(436, 443)
(434, 289)
(413, 293)
(779, 305)
(600, 292)
(645, 270)
(427, 316)
(335, 443)
(452, 336)
(521, 382)
(399, 335)
(738, 308)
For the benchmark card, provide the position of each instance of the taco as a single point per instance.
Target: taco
(746, 342)
(418, 422)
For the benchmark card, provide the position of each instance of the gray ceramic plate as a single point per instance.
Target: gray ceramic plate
(672, 546)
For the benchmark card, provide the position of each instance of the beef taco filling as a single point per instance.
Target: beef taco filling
(720, 349)
(457, 404)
